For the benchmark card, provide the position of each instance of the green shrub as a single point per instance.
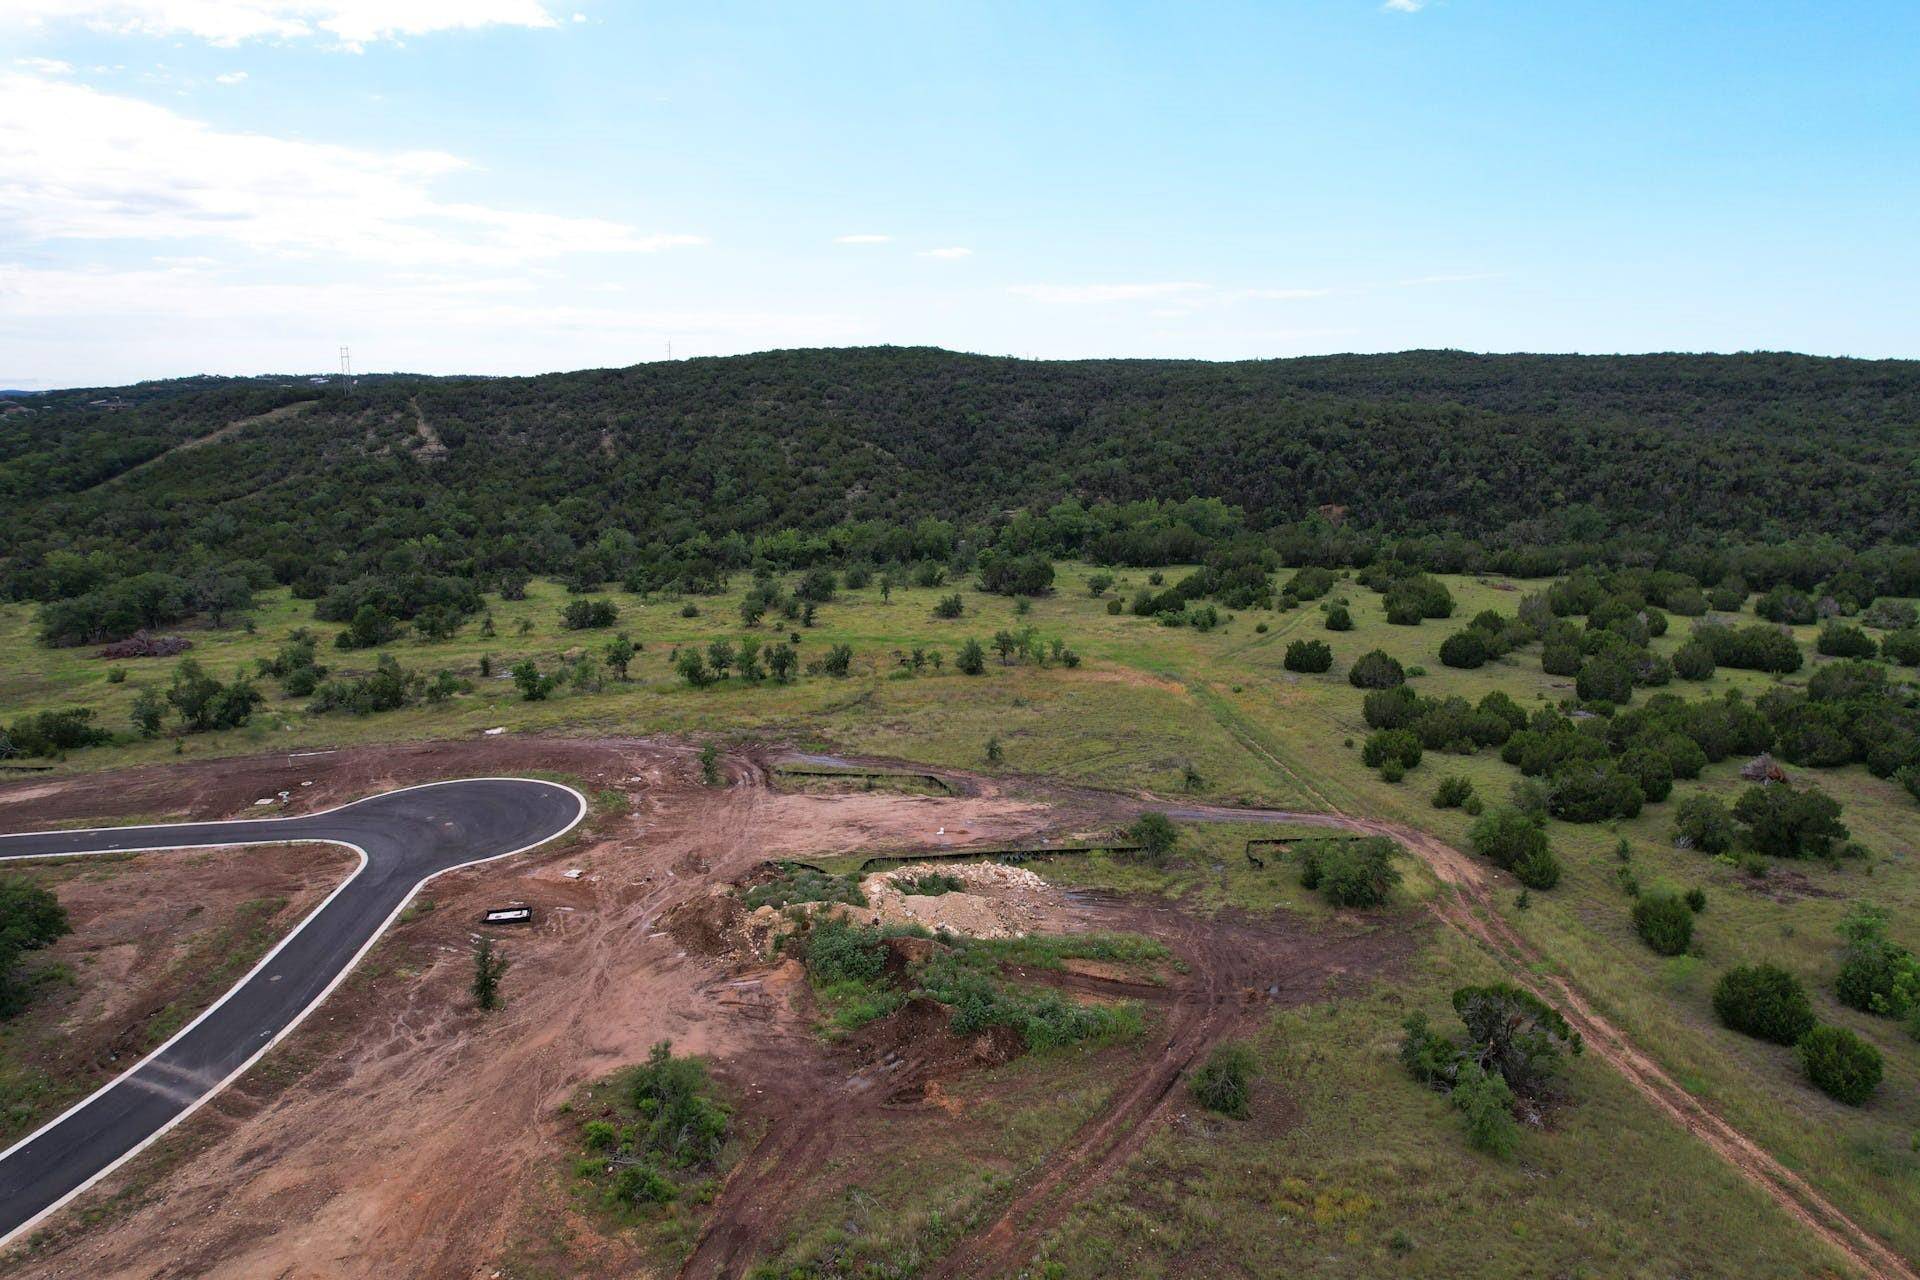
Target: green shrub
(1485, 1104)
(1350, 873)
(1510, 839)
(1224, 1083)
(1841, 1065)
(1702, 822)
(1376, 670)
(1453, 792)
(1763, 1001)
(929, 884)
(805, 885)
(1663, 922)
(1311, 656)
(1464, 649)
(1156, 835)
(840, 952)
(1395, 746)
(1338, 619)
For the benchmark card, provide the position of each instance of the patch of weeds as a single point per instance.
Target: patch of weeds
(806, 885)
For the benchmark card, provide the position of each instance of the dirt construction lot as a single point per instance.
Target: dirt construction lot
(400, 1131)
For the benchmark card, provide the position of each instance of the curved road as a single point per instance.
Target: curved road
(404, 838)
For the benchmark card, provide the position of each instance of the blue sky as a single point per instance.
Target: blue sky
(511, 186)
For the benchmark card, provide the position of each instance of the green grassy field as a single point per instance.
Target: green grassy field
(1147, 705)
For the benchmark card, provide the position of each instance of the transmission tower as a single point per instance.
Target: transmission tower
(346, 368)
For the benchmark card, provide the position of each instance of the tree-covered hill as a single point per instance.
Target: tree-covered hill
(475, 475)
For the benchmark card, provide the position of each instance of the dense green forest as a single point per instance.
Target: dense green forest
(1775, 468)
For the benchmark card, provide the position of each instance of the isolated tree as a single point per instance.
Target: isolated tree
(710, 765)
(1790, 822)
(619, 655)
(972, 659)
(1763, 1001)
(489, 966)
(692, 668)
(149, 710)
(1376, 670)
(781, 661)
(1308, 656)
(533, 686)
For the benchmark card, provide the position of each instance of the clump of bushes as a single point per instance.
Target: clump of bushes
(1763, 1001)
(584, 615)
(1453, 792)
(1156, 835)
(804, 885)
(1664, 922)
(1877, 975)
(929, 884)
(1513, 841)
(1350, 873)
(31, 918)
(1513, 1047)
(1311, 656)
(670, 1130)
(1224, 1083)
(1385, 748)
(1376, 670)
(1841, 1065)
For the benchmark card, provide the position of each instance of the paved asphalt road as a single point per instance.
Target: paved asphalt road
(404, 837)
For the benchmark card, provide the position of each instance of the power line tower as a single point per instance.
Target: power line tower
(346, 368)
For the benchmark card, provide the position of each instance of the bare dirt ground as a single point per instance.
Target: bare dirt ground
(152, 934)
(400, 1132)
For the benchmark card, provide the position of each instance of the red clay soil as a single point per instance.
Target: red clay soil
(333, 1157)
(1237, 970)
(399, 1131)
(147, 928)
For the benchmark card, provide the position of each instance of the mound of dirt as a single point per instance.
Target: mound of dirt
(719, 925)
(998, 901)
(916, 1045)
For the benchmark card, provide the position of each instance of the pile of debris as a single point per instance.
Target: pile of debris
(996, 900)
(141, 644)
(1762, 769)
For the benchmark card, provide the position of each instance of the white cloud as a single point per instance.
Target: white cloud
(1079, 293)
(1404, 6)
(949, 254)
(231, 77)
(1285, 295)
(862, 239)
(86, 165)
(229, 22)
(45, 66)
(81, 327)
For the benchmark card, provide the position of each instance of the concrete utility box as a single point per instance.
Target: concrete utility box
(509, 915)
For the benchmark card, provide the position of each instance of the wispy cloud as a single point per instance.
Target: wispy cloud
(231, 77)
(1085, 293)
(45, 66)
(352, 23)
(87, 165)
(863, 239)
(1454, 277)
(949, 254)
(1404, 6)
